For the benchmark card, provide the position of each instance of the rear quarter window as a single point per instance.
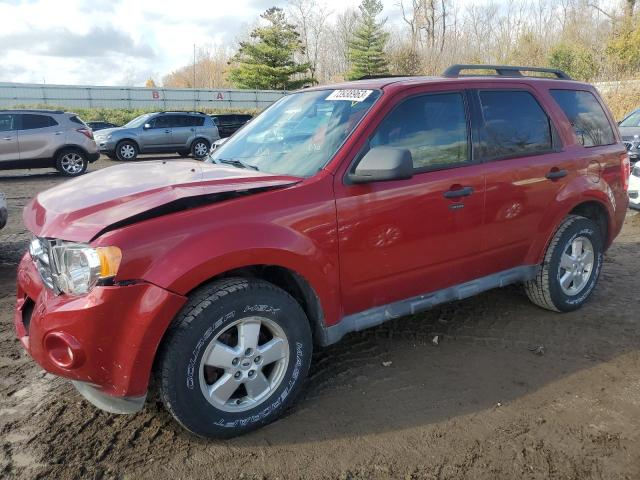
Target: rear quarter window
(514, 125)
(584, 112)
(78, 120)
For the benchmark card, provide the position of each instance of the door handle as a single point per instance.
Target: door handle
(58, 133)
(192, 129)
(460, 192)
(8, 139)
(555, 174)
(167, 131)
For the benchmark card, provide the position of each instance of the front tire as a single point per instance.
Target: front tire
(571, 266)
(235, 358)
(126, 150)
(71, 162)
(200, 148)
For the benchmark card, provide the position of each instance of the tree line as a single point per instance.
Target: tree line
(306, 43)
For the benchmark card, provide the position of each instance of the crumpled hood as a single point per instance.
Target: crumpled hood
(81, 208)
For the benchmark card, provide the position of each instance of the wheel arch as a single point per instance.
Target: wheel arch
(288, 280)
(127, 139)
(65, 147)
(594, 206)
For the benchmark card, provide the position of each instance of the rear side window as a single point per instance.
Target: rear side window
(197, 121)
(514, 125)
(7, 122)
(432, 127)
(31, 121)
(586, 116)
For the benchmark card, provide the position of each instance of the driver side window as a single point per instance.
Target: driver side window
(432, 127)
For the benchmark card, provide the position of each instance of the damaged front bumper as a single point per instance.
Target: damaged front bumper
(104, 342)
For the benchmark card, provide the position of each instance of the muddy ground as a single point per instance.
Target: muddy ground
(480, 404)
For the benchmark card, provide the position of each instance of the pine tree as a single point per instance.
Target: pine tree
(366, 48)
(267, 62)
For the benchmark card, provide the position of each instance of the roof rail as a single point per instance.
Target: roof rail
(33, 110)
(503, 70)
(182, 111)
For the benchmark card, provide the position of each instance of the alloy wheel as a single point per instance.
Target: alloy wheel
(72, 163)
(576, 266)
(243, 364)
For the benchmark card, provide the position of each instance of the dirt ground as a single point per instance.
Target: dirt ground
(480, 404)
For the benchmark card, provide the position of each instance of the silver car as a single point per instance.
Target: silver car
(163, 132)
(45, 139)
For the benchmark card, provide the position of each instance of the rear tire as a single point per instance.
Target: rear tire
(126, 150)
(571, 266)
(200, 148)
(235, 357)
(72, 162)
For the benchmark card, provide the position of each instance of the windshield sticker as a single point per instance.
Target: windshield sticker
(351, 95)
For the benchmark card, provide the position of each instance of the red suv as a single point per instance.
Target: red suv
(336, 209)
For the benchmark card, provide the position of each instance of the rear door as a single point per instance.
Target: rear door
(525, 170)
(9, 150)
(39, 136)
(403, 238)
(182, 130)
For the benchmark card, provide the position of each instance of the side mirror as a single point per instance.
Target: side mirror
(147, 126)
(383, 163)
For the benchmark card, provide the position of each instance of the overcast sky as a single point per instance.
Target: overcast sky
(122, 42)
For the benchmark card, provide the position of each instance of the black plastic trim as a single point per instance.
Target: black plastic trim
(377, 315)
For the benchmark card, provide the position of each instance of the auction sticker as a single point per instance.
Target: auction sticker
(350, 95)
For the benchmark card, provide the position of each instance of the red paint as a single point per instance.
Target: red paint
(357, 246)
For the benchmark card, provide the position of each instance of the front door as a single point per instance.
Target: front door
(399, 239)
(158, 137)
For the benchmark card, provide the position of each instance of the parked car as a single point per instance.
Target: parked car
(221, 277)
(95, 126)
(163, 132)
(228, 123)
(634, 188)
(46, 139)
(630, 132)
(4, 214)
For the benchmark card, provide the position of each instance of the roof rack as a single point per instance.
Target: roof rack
(33, 110)
(503, 71)
(181, 111)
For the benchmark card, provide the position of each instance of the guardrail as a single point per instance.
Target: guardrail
(69, 96)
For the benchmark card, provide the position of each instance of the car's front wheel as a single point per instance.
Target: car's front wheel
(571, 266)
(200, 148)
(71, 162)
(126, 150)
(235, 357)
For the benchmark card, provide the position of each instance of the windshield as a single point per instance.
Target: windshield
(138, 121)
(299, 134)
(632, 120)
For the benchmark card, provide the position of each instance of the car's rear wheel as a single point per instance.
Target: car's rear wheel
(200, 148)
(235, 357)
(72, 162)
(571, 266)
(126, 150)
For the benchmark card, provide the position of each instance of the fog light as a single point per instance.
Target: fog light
(63, 350)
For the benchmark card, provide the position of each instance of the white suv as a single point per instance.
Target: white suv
(45, 139)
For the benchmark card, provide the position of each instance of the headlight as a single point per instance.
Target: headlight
(74, 268)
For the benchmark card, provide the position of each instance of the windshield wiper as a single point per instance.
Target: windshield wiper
(238, 163)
